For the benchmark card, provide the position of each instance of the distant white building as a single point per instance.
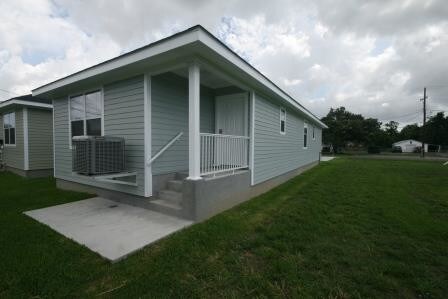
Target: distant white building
(408, 146)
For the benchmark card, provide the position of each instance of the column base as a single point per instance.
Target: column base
(194, 178)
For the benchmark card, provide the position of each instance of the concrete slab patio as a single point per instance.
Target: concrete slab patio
(113, 230)
(326, 158)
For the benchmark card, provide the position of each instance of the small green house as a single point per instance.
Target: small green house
(203, 129)
(26, 137)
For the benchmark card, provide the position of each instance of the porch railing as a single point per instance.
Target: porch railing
(223, 153)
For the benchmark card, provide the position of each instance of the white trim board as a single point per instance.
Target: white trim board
(147, 134)
(252, 137)
(54, 143)
(26, 157)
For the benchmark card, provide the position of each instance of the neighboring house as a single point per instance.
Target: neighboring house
(411, 146)
(408, 146)
(27, 135)
(204, 130)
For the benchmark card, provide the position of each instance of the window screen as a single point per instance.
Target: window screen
(93, 114)
(305, 135)
(282, 120)
(86, 114)
(9, 126)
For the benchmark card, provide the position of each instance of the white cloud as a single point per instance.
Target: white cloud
(320, 29)
(292, 82)
(255, 38)
(374, 58)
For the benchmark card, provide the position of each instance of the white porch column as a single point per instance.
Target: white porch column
(194, 148)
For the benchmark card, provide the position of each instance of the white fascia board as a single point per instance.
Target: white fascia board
(222, 50)
(169, 44)
(26, 103)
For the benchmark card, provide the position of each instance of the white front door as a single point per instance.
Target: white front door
(231, 119)
(232, 114)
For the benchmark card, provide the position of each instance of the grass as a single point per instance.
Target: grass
(345, 229)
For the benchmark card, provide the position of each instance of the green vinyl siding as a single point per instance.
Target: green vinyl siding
(169, 104)
(123, 117)
(276, 153)
(40, 139)
(13, 155)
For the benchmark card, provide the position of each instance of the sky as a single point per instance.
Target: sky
(372, 57)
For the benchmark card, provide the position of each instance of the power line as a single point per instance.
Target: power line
(401, 116)
(437, 85)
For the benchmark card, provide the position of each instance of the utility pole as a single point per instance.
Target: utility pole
(424, 122)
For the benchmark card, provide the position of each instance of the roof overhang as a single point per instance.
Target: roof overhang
(10, 104)
(176, 49)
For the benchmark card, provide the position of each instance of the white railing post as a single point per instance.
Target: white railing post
(223, 153)
(194, 148)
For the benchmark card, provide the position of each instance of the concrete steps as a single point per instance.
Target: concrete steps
(169, 200)
(181, 175)
(175, 185)
(173, 197)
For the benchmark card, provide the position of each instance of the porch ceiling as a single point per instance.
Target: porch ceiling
(208, 78)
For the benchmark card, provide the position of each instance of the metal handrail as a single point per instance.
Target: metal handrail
(159, 153)
(223, 135)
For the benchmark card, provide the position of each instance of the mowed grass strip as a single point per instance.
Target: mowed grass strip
(345, 229)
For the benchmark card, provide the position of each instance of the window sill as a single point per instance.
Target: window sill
(10, 145)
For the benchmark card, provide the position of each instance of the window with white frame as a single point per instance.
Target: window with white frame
(314, 135)
(86, 112)
(282, 120)
(9, 128)
(305, 135)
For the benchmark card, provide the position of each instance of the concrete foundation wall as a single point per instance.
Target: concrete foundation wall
(38, 173)
(209, 197)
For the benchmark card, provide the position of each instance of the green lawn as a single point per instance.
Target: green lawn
(345, 229)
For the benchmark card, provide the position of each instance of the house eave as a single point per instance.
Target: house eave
(14, 103)
(195, 36)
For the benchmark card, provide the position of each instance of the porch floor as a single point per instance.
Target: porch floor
(113, 230)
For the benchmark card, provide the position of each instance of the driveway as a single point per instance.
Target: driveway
(113, 230)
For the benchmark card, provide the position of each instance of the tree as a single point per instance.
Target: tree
(436, 130)
(410, 132)
(372, 129)
(392, 128)
(391, 133)
(344, 127)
